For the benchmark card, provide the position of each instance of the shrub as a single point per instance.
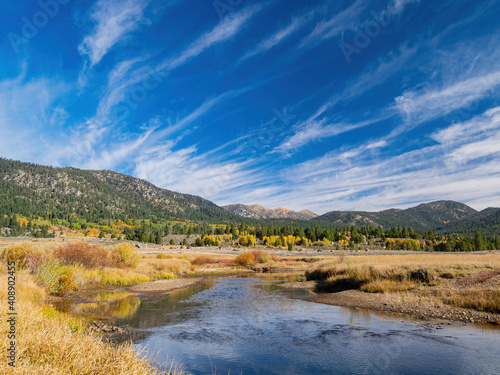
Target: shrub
(56, 278)
(126, 255)
(203, 259)
(19, 253)
(227, 262)
(86, 255)
(245, 259)
(260, 256)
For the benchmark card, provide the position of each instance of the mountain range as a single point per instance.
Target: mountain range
(31, 189)
(257, 211)
(438, 215)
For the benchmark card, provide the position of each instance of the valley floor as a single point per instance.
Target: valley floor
(454, 287)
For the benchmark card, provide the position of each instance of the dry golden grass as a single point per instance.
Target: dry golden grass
(19, 253)
(170, 265)
(462, 280)
(164, 256)
(424, 260)
(49, 342)
(481, 300)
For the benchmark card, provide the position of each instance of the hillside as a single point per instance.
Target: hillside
(437, 215)
(487, 220)
(27, 189)
(259, 212)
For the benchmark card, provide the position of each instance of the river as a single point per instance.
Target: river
(249, 326)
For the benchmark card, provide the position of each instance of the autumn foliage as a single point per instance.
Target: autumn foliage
(86, 255)
(245, 259)
(203, 259)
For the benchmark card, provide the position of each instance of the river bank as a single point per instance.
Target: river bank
(396, 303)
(454, 287)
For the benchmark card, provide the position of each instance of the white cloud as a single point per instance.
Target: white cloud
(30, 111)
(317, 130)
(464, 165)
(390, 64)
(423, 105)
(346, 19)
(225, 30)
(398, 6)
(185, 171)
(119, 153)
(279, 36)
(114, 20)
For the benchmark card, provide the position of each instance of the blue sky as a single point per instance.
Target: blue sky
(324, 105)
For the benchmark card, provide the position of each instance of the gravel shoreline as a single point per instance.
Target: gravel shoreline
(393, 303)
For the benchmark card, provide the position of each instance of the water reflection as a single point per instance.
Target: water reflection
(111, 304)
(249, 325)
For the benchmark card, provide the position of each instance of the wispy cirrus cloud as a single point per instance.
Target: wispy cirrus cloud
(398, 6)
(225, 30)
(317, 130)
(282, 34)
(389, 65)
(187, 171)
(29, 111)
(117, 152)
(418, 106)
(463, 165)
(114, 20)
(346, 19)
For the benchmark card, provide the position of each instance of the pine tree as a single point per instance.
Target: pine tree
(478, 241)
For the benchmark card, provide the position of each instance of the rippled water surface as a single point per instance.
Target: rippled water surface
(250, 326)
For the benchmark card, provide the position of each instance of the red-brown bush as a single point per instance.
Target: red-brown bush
(203, 259)
(227, 262)
(86, 255)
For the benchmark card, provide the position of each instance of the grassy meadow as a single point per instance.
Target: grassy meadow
(463, 280)
(54, 342)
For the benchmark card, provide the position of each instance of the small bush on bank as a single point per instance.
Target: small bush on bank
(245, 259)
(261, 256)
(227, 262)
(19, 253)
(56, 278)
(126, 255)
(203, 259)
(86, 255)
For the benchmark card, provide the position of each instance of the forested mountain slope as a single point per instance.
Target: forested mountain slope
(28, 189)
